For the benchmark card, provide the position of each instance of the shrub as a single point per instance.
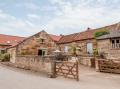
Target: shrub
(100, 33)
(73, 50)
(1, 57)
(95, 52)
(5, 57)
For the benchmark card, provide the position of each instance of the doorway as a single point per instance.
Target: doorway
(89, 48)
(41, 52)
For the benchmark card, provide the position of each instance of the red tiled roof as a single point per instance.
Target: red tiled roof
(10, 40)
(77, 36)
(68, 38)
(55, 37)
(88, 34)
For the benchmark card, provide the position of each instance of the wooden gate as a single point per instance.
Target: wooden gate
(67, 69)
(110, 66)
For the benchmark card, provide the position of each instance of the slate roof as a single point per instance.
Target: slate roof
(113, 34)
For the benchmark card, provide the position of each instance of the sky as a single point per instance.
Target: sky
(27, 17)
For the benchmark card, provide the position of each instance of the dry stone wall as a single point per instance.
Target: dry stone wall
(35, 63)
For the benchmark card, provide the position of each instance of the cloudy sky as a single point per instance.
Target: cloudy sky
(26, 17)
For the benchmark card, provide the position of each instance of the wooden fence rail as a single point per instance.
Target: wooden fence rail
(111, 66)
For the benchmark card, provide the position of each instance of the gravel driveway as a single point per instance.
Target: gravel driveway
(12, 78)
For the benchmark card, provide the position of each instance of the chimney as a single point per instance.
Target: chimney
(88, 29)
(61, 35)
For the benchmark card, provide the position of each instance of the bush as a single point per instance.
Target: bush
(5, 57)
(1, 57)
(100, 33)
(95, 52)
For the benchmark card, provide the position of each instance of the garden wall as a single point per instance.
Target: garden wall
(35, 63)
(45, 64)
(87, 60)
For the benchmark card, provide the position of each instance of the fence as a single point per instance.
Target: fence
(67, 69)
(110, 66)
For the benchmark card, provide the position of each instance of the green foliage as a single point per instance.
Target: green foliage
(100, 33)
(5, 57)
(73, 49)
(95, 52)
(1, 57)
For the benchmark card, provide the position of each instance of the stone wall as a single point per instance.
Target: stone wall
(35, 63)
(105, 46)
(12, 52)
(114, 54)
(81, 44)
(87, 60)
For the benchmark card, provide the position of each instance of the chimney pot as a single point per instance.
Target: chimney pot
(88, 28)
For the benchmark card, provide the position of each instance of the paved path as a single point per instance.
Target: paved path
(11, 78)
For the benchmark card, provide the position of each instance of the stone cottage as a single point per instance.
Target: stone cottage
(109, 45)
(8, 41)
(40, 44)
(84, 41)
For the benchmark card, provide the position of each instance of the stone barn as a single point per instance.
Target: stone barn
(109, 45)
(39, 44)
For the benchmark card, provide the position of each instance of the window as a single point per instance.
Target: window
(66, 49)
(41, 52)
(89, 48)
(42, 40)
(115, 43)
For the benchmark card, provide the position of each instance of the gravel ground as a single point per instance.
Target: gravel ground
(13, 78)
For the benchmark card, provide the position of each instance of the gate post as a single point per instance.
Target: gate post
(77, 70)
(53, 64)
